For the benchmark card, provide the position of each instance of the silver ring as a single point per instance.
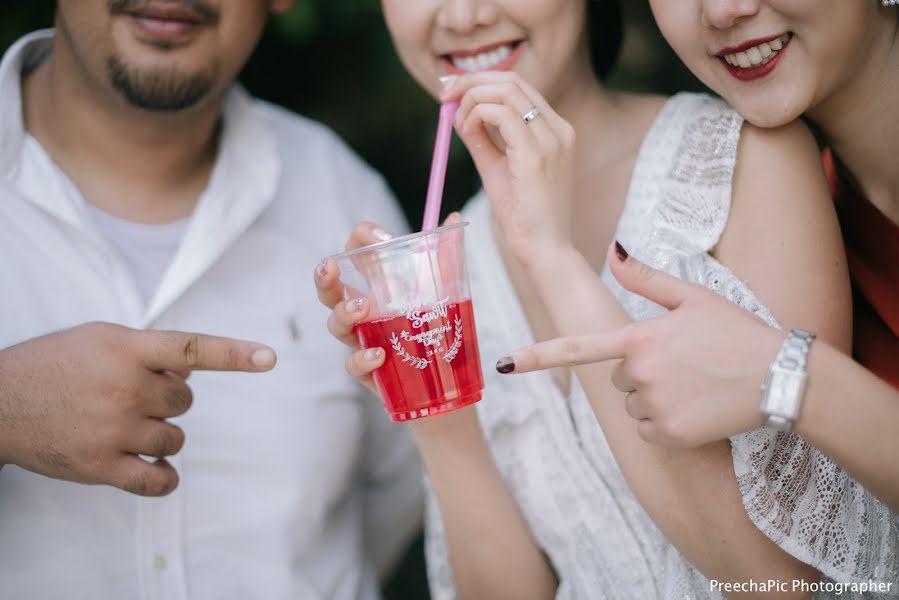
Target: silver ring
(530, 115)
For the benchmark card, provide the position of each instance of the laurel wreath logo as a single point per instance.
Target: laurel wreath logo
(418, 363)
(457, 342)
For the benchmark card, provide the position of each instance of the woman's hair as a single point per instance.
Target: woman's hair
(606, 31)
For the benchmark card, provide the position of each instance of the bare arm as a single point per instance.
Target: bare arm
(491, 550)
(783, 238)
(851, 415)
(848, 412)
(691, 494)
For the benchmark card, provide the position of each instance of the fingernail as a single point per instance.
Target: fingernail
(447, 82)
(355, 305)
(505, 365)
(322, 269)
(620, 251)
(264, 357)
(373, 354)
(381, 235)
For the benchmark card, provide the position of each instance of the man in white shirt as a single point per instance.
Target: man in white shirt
(139, 186)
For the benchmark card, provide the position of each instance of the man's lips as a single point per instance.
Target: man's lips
(168, 22)
(172, 13)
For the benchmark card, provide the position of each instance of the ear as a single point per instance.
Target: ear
(279, 7)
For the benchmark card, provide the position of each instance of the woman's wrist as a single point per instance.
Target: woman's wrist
(448, 429)
(556, 264)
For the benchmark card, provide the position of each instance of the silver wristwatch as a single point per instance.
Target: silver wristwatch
(784, 386)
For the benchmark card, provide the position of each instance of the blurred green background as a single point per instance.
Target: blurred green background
(332, 60)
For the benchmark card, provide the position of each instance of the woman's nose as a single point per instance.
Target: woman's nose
(464, 16)
(723, 14)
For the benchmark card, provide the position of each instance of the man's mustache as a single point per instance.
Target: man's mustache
(207, 13)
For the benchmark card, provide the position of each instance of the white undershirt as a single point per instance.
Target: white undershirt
(147, 250)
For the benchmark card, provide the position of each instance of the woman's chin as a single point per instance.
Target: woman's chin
(765, 115)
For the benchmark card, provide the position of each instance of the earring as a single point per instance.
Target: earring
(890, 2)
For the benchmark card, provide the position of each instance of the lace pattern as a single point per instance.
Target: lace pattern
(552, 453)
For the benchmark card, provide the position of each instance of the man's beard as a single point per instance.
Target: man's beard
(156, 89)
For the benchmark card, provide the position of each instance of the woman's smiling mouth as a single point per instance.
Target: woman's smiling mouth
(493, 57)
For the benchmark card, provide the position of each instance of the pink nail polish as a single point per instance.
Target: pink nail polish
(355, 305)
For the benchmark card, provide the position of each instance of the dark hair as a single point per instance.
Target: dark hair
(605, 29)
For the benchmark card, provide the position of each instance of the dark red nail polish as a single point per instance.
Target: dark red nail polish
(620, 251)
(505, 365)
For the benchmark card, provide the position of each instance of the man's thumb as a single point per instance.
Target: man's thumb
(639, 278)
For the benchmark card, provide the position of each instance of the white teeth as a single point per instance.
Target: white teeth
(483, 61)
(757, 55)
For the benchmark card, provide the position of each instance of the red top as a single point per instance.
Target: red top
(872, 247)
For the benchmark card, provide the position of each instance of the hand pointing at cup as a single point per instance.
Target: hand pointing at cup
(692, 375)
(86, 403)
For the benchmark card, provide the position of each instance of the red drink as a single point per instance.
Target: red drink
(432, 363)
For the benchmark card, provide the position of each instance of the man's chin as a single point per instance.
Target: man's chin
(159, 89)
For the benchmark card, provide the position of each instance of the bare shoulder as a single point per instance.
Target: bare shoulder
(782, 235)
(779, 181)
(767, 148)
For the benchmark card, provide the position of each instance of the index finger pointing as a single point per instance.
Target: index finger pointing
(565, 352)
(178, 351)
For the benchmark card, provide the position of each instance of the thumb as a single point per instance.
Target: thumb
(452, 219)
(634, 276)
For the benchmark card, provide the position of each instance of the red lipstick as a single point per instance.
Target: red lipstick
(758, 71)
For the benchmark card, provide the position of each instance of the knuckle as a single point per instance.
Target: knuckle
(533, 161)
(232, 357)
(351, 364)
(138, 482)
(190, 351)
(571, 350)
(553, 146)
(645, 273)
(640, 373)
(334, 326)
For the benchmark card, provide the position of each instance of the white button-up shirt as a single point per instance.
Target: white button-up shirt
(293, 483)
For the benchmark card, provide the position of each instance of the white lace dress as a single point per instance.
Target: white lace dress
(553, 455)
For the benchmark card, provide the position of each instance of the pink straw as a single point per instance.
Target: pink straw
(438, 165)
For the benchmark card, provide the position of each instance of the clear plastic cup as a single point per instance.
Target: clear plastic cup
(421, 315)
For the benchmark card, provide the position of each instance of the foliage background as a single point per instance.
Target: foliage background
(332, 60)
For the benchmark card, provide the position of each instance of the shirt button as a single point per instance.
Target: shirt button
(159, 562)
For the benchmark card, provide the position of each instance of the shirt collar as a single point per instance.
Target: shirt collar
(26, 54)
(243, 183)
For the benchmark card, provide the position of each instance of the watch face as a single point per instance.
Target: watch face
(783, 391)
